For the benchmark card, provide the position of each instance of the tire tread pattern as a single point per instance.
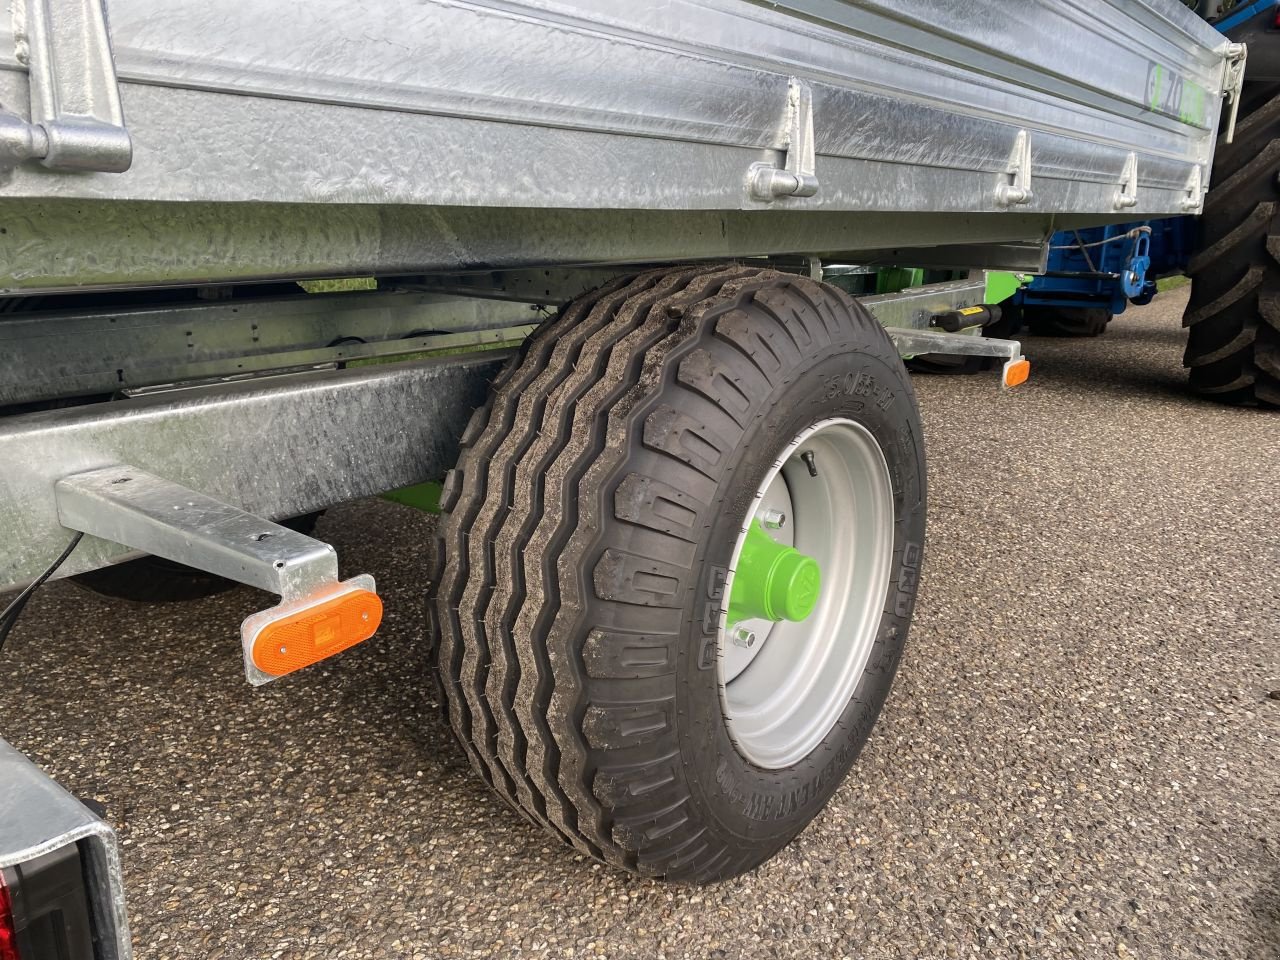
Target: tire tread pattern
(557, 645)
(1233, 343)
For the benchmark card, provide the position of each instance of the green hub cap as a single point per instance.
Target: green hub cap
(773, 581)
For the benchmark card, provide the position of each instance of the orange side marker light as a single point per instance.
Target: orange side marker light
(1017, 371)
(316, 631)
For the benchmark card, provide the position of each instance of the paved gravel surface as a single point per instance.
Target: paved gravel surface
(1079, 758)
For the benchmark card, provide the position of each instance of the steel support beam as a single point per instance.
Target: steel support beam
(132, 507)
(104, 350)
(276, 448)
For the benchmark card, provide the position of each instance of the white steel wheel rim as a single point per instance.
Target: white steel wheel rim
(782, 696)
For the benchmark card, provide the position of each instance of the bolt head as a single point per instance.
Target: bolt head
(744, 637)
(773, 519)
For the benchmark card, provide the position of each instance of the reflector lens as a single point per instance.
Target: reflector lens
(8, 935)
(309, 635)
(1016, 372)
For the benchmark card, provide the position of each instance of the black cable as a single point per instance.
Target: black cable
(11, 613)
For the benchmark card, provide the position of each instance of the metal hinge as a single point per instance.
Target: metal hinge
(76, 119)
(765, 181)
(1233, 83)
(1014, 185)
(1127, 195)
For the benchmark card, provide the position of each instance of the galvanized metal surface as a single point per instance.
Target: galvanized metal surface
(37, 817)
(798, 175)
(467, 111)
(538, 286)
(1021, 257)
(906, 317)
(70, 245)
(274, 448)
(136, 509)
(47, 354)
(912, 308)
(913, 343)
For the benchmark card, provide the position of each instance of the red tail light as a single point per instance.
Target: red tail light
(8, 935)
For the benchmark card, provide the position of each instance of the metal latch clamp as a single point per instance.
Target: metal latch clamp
(77, 122)
(1014, 185)
(766, 182)
(1127, 193)
(1235, 55)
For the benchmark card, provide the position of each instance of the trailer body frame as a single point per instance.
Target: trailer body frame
(473, 135)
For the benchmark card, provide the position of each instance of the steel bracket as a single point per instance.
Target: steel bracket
(1127, 193)
(132, 507)
(1014, 185)
(276, 447)
(913, 343)
(76, 119)
(798, 178)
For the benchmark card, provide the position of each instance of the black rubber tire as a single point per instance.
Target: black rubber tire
(1066, 321)
(1233, 315)
(157, 580)
(585, 536)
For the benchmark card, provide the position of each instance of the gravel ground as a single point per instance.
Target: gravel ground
(1080, 757)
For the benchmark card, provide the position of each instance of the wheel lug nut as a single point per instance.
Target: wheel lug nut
(744, 637)
(773, 519)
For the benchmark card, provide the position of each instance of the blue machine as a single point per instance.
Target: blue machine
(1111, 267)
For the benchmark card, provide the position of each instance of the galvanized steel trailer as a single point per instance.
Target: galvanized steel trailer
(232, 141)
(682, 533)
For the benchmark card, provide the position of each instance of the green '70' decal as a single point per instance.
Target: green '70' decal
(1174, 96)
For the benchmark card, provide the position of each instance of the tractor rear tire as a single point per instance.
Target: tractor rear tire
(1233, 315)
(587, 536)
